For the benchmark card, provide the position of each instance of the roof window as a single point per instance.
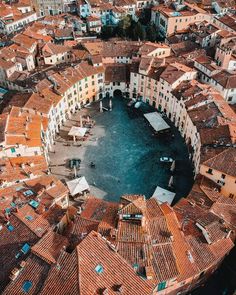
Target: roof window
(27, 286)
(99, 269)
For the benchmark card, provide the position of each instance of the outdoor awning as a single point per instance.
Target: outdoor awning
(162, 195)
(77, 186)
(156, 121)
(77, 131)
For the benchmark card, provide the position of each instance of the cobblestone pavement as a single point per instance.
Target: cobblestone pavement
(125, 152)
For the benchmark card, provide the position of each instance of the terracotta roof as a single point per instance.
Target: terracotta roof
(49, 184)
(51, 49)
(216, 135)
(164, 263)
(49, 247)
(131, 232)
(63, 276)
(174, 71)
(39, 103)
(22, 168)
(11, 243)
(187, 268)
(79, 228)
(225, 208)
(229, 21)
(213, 226)
(35, 270)
(35, 222)
(224, 162)
(97, 209)
(96, 269)
(24, 41)
(3, 122)
(117, 73)
(23, 128)
(225, 79)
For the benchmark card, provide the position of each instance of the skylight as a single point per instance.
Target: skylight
(99, 269)
(25, 249)
(28, 193)
(29, 217)
(27, 286)
(10, 227)
(34, 204)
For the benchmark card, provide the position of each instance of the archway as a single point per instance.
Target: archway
(117, 93)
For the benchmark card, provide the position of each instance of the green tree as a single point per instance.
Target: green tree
(151, 32)
(139, 32)
(107, 32)
(145, 17)
(124, 25)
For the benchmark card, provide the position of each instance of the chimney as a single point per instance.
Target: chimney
(118, 288)
(14, 274)
(149, 272)
(228, 231)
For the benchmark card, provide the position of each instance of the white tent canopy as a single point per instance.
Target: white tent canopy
(77, 186)
(162, 195)
(156, 121)
(77, 131)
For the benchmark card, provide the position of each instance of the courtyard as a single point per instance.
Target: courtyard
(125, 153)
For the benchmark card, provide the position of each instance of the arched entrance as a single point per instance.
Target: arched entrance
(117, 93)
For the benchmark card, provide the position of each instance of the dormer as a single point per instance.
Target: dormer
(134, 210)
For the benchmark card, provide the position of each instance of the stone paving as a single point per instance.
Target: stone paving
(125, 152)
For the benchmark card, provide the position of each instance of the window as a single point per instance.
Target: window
(223, 176)
(161, 286)
(201, 274)
(209, 171)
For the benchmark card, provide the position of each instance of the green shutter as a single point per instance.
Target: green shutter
(161, 286)
(13, 150)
